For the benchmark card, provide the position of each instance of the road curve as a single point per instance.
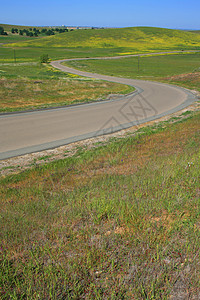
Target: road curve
(22, 133)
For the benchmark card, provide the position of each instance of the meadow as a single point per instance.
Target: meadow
(120, 221)
(182, 69)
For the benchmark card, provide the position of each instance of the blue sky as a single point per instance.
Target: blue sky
(182, 14)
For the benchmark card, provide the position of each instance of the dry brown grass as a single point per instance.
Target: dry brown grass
(26, 93)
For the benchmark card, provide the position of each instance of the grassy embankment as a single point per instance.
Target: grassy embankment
(181, 69)
(117, 222)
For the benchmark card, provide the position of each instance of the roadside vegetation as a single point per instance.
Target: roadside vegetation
(32, 85)
(120, 221)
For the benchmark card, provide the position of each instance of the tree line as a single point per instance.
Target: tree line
(36, 32)
(32, 32)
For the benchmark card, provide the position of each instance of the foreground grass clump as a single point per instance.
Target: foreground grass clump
(117, 222)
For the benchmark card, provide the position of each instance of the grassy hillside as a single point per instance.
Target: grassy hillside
(116, 222)
(195, 31)
(135, 39)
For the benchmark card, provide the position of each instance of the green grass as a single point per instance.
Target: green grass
(135, 39)
(4, 39)
(149, 66)
(180, 69)
(117, 222)
(33, 54)
(195, 31)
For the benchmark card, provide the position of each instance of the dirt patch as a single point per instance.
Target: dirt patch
(183, 77)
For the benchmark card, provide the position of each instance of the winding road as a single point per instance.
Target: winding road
(27, 132)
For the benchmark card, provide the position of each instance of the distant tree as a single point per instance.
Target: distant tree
(2, 32)
(29, 33)
(35, 33)
(61, 30)
(44, 58)
(21, 32)
(43, 30)
(34, 29)
(14, 30)
(30, 29)
(49, 32)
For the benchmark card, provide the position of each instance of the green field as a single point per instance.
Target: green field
(11, 38)
(160, 68)
(149, 66)
(195, 31)
(117, 222)
(33, 54)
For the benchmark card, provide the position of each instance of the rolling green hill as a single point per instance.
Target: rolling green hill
(134, 39)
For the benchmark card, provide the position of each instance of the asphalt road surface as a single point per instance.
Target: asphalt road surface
(28, 132)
